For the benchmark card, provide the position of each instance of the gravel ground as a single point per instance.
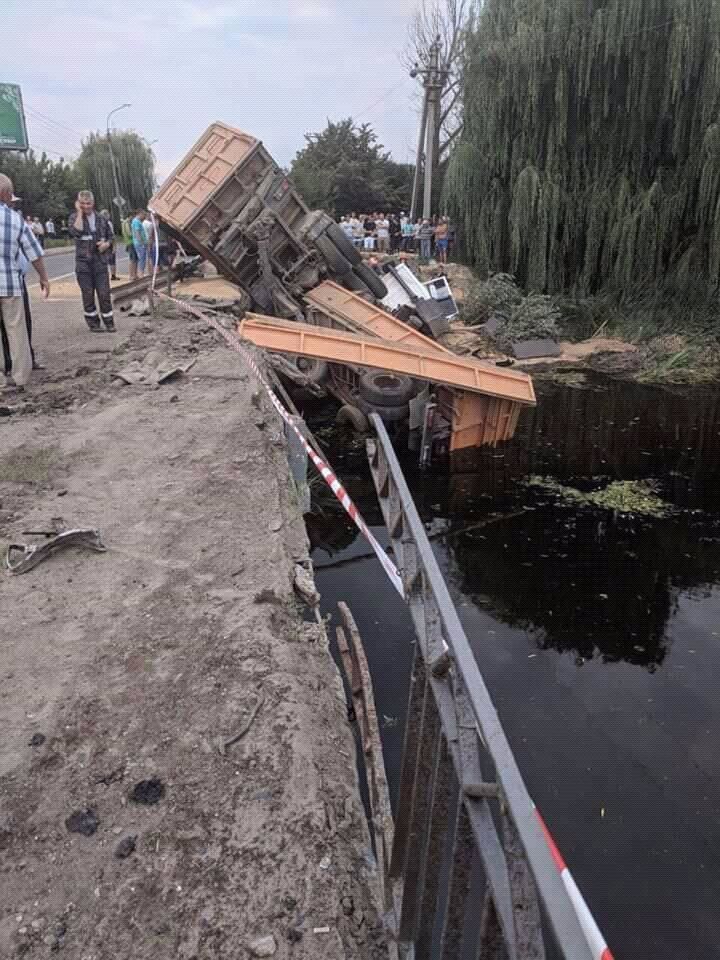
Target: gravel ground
(177, 773)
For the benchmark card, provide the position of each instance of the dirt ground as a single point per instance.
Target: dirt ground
(171, 699)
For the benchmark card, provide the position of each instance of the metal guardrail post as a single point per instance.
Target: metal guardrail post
(516, 861)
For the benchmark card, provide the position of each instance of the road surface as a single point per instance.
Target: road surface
(61, 266)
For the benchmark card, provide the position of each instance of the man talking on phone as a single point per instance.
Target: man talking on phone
(93, 235)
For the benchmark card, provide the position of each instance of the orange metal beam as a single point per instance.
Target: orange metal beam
(303, 339)
(355, 313)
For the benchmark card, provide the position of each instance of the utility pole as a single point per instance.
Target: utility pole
(434, 80)
(118, 200)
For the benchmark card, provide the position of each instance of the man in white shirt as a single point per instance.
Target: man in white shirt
(383, 233)
(50, 229)
(16, 239)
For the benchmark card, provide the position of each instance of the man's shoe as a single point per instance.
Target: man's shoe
(37, 365)
(110, 327)
(94, 327)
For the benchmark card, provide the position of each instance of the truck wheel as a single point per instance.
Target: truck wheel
(372, 280)
(353, 282)
(384, 389)
(312, 368)
(339, 264)
(349, 415)
(346, 248)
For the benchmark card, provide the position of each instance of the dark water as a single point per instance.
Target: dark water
(598, 636)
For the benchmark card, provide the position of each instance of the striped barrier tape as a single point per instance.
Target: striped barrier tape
(323, 469)
(594, 937)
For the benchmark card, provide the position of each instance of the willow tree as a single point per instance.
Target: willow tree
(135, 168)
(590, 153)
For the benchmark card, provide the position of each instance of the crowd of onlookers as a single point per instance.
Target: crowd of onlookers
(396, 233)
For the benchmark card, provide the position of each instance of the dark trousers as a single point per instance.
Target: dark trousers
(94, 281)
(7, 359)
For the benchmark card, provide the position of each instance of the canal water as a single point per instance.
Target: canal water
(598, 635)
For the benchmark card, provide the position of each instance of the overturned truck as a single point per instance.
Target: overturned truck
(377, 350)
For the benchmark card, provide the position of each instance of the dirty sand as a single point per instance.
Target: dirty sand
(178, 667)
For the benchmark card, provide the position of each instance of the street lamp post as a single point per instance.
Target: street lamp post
(118, 200)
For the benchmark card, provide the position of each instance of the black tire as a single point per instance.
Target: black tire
(372, 280)
(312, 368)
(384, 389)
(339, 264)
(350, 416)
(351, 281)
(346, 248)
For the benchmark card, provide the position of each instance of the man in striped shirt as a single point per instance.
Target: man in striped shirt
(16, 239)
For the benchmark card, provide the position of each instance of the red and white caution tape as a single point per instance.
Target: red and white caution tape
(594, 937)
(323, 469)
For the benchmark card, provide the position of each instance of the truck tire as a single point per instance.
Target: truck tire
(335, 260)
(382, 389)
(372, 280)
(344, 245)
(353, 282)
(312, 368)
(350, 416)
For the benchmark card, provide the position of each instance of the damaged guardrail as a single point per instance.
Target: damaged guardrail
(461, 789)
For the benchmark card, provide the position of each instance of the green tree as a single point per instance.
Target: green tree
(344, 169)
(590, 152)
(46, 187)
(135, 167)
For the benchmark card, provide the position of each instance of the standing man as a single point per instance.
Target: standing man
(50, 229)
(16, 239)
(93, 236)
(383, 233)
(140, 241)
(127, 237)
(39, 230)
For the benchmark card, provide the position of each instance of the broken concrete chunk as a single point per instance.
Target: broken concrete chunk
(305, 586)
(264, 947)
(126, 847)
(154, 369)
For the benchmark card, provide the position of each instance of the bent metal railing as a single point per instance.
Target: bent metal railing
(472, 871)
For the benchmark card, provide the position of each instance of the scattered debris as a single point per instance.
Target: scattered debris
(37, 739)
(238, 736)
(126, 847)
(139, 308)
(154, 369)
(264, 947)
(84, 822)
(148, 792)
(30, 557)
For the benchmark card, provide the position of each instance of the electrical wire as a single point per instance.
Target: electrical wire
(379, 100)
(33, 112)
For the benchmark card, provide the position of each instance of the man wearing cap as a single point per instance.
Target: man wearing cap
(16, 241)
(93, 236)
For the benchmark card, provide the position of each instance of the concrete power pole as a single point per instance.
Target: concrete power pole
(433, 83)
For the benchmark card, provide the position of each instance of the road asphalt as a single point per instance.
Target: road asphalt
(62, 265)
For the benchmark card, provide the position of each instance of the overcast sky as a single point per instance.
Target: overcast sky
(275, 69)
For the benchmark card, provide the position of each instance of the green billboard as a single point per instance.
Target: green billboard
(13, 132)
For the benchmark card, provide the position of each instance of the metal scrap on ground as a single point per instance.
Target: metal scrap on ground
(30, 556)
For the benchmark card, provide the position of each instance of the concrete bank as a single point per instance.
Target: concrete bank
(177, 774)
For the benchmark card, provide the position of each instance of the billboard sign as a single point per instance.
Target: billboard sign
(13, 132)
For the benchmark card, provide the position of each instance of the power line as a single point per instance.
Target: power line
(379, 100)
(33, 112)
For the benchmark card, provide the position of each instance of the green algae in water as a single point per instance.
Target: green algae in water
(621, 496)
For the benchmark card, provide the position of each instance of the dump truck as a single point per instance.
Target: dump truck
(233, 205)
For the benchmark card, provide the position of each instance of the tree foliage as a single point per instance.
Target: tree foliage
(47, 188)
(344, 169)
(447, 21)
(590, 154)
(135, 166)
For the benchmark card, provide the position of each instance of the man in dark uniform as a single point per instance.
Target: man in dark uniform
(93, 236)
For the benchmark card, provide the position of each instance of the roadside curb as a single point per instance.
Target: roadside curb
(56, 250)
